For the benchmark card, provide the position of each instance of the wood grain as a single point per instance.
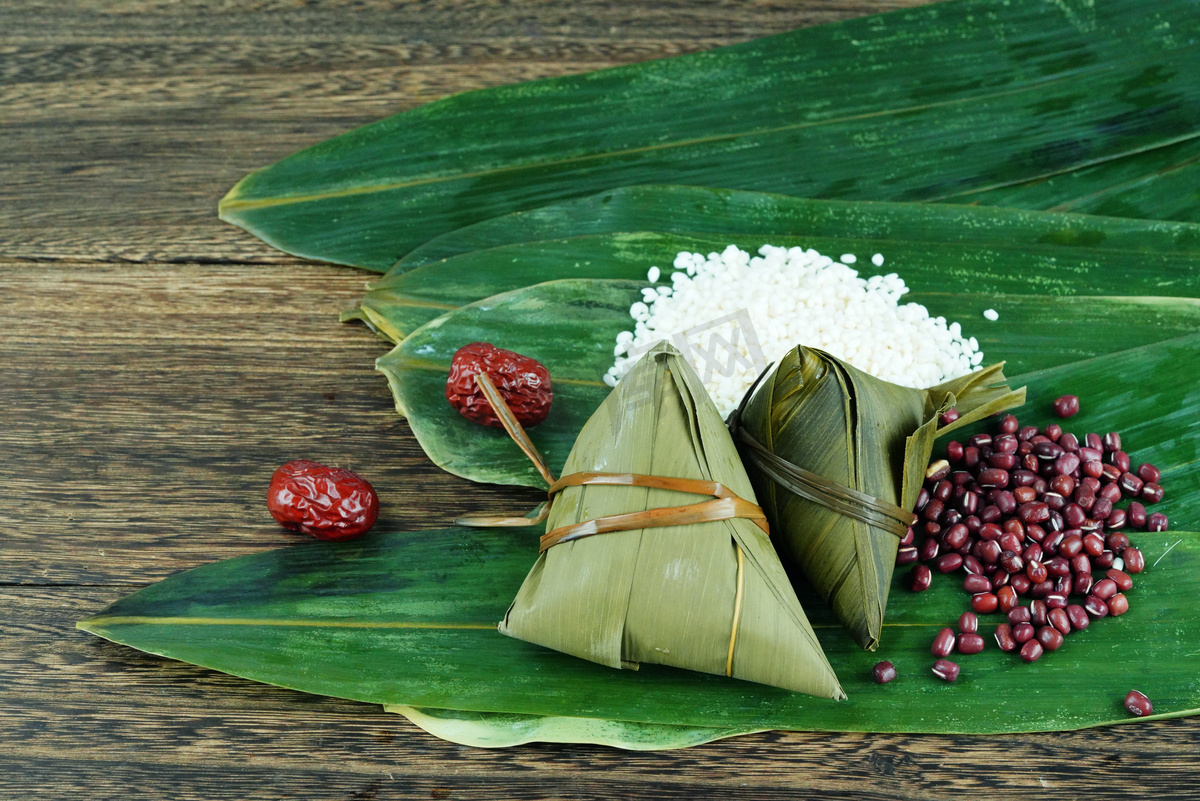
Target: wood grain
(157, 366)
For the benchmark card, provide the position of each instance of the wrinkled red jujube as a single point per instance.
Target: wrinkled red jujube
(523, 382)
(329, 503)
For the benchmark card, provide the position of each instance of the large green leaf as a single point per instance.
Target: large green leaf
(1057, 303)
(1053, 103)
(408, 620)
(701, 211)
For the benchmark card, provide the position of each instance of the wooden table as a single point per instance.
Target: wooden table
(158, 365)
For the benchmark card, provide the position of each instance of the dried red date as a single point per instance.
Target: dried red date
(329, 503)
(523, 383)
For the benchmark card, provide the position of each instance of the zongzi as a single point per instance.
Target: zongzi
(656, 550)
(837, 458)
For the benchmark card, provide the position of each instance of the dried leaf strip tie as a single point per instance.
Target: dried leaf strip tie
(725, 504)
(807, 484)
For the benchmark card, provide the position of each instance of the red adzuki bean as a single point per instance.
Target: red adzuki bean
(945, 669)
(1138, 704)
(1066, 406)
(883, 672)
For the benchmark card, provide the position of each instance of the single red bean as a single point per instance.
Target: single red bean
(943, 643)
(1093, 544)
(931, 530)
(970, 643)
(975, 583)
(1056, 600)
(1148, 473)
(1115, 520)
(1031, 651)
(1134, 561)
(1071, 545)
(1037, 613)
(922, 500)
(929, 550)
(942, 490)
(1066, 406)
(985, 603)
(982, 438)
(1082, 584)
(1130, 484)
(1023, 632)
(968, 623)
(1027, 432)
(948, 416)
(933, 510)
(1019, 614)
(990, 513)
(919, 578)
(970, 456)
(954, 451)
(1024, 494)
(1105, 589)
(1152, 492)
(1094, 442)
(1033, 512)
(956, 536)
(1089, 484)
(988, 551)
(1032, 553)
(1066, 464)
(1004, 637)
(1055, 501)
(1047, 451)
(1011, 562)
(1120, 578)
(972, 565)
(1095, 606)
(1058, 566)
(1059, 619)
(1063, 484)
(1136, 514)
(1020, 582)
(1104, 561)
(1035, 533)
(906, 556)
(1092, 468)
(1112, 441)
(945, 669)
(967, 503)
(1081, 564)
(1000, 578)
(1069, 443)
(1003, 461)
(1009, 542)
(1036, 571)
(993, 477)
(1051, 542)
(1007, 599)
(1062, 585)
(1116, 541)
(1050, 638)
(990, 531)
(1118, 604)
(1138, 704)
(1053, 431)
(1110, 493)
(1078, 616)
(948, 563)
(883, 672)
(1042, 589)
(1157, 522)
(1009, 424)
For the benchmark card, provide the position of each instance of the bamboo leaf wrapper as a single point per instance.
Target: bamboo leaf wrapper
(666, 595)
(818, 429)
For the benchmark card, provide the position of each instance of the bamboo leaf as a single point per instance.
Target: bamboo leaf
(409, 619)
(1057, 304)
(974, 101)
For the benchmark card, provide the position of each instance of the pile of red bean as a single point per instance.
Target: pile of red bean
(1031, 513)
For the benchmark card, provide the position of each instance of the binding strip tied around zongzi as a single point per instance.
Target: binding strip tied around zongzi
(837, 458)
(656, 550)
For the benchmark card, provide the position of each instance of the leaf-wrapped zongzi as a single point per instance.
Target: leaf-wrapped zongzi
(670, 576)
(838, 457)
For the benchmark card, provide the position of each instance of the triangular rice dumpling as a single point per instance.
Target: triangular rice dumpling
(708, 596)
(838, 457)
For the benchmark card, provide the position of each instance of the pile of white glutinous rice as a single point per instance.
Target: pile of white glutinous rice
(790, 296)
